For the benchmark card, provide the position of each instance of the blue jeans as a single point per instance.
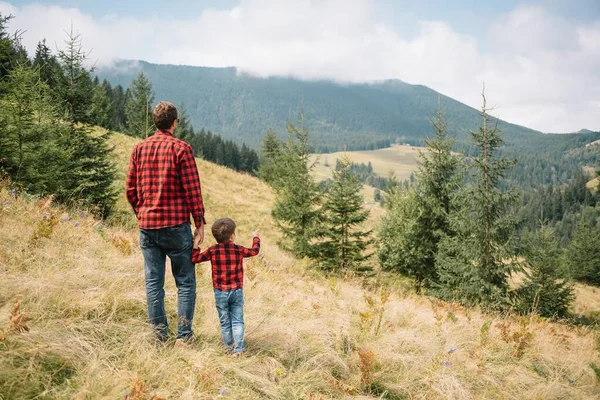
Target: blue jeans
(230, 306)
(175, 242)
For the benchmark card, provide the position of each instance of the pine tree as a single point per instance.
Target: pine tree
(101, 106)
(544, 290)
(138, 107)
(185, 130)
(583, 253)
(342, 243)
(297, 195)
(47, 64)
(75, 86)
(118, 117)
(270, 151)
(426, 220)
(474, 265)
(8, 48)
(88, 176)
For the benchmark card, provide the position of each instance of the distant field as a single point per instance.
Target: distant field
(400, 159)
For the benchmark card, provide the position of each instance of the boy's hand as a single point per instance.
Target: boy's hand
(255, 233)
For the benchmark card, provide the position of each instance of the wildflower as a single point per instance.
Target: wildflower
(571, 381)
(447, 363)
(126, 394)
(223, 391)
(452, 350)
(77, 224)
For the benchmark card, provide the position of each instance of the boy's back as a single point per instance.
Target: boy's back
(227, 263)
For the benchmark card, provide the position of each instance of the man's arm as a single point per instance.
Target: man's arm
(254, 250)
(190, 182)
(131, 182)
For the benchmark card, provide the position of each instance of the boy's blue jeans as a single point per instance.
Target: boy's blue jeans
(175, 242)
(230, 306)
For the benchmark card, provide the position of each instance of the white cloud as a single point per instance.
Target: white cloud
(540, 69)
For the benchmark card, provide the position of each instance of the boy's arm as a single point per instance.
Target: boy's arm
(254, 250)
(198, 257)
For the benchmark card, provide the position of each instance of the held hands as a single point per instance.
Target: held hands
(255, 233)
(198, 236)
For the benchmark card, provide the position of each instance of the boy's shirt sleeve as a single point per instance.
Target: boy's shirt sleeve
(198, 256)
(254, 250)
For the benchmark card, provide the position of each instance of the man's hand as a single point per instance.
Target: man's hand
(255, 233)
(198, 236)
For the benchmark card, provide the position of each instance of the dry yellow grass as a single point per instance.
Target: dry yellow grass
(400, 159)
(309, 336)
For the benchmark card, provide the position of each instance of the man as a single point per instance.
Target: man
(163, 187)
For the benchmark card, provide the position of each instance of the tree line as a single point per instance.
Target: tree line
(455, 231)
(49, 104)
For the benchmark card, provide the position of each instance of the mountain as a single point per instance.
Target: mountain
(352, 116)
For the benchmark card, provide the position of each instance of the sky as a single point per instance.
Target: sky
(539, 59)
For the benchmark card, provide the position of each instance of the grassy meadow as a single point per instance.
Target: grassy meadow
(79, 329)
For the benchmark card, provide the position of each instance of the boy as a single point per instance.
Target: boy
(226, 259)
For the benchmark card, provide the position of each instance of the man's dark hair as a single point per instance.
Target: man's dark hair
(164, 114)
(222, 229)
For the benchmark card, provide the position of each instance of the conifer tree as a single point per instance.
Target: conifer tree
(47, 64)
(88, 176)
(101, 106)
(270, 151)
(583, 253)
(185, 130)
(474, 264)
(138, 107)
(342, 242)
(426, 220)
(118, 117)
(297, 195)
(544, 290)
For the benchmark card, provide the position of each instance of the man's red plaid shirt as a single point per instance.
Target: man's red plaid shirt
(163, 185)
(227, 263)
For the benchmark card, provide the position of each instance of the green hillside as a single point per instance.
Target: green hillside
(353, 116)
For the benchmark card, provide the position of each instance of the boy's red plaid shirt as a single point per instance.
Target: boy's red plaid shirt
(227, 263)
(163, 185)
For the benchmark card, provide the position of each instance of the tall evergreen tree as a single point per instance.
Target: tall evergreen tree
(118, 117)
(138, 107)
(47, 64)
(583, 253)
(474, 265)
(8, 48)
(88, 176)
(426, 220)
(185, 130)
(342, 242)
(544, 290)
(297, 195)
(101, 106)
(270, 151)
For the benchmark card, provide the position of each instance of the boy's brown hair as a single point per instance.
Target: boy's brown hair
(222, 229)
(164, 115)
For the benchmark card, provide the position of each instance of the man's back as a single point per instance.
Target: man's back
(163, 184)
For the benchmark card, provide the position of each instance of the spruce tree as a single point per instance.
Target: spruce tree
(47, 64)
(118, 117)
(474, 264)
(544, 290)
(270, 151)
(185, 130)
(425, 220)
(101, 106)
(138, 107)
(342, 242)
(87, 178)
(297, 195)
(583, 253)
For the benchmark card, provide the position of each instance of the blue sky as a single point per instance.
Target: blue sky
(539, 59)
